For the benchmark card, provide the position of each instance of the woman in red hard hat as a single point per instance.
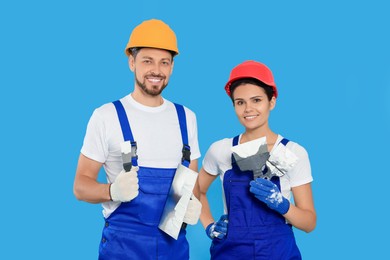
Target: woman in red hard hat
(258, 215)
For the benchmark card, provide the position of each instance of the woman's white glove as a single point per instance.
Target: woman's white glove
(194, 209)
(125, 187)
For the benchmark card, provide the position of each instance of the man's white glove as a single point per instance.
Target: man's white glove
(125, 186)
(194, 209)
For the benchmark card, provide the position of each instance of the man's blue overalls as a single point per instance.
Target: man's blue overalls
(254, 230)
(131, 231)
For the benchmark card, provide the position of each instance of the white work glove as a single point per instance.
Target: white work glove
(194, 209)
(125, 187)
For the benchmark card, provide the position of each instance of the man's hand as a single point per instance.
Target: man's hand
(125, 187)
(267, 192)
(194, 209)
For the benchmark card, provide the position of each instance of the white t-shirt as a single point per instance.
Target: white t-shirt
(218, 160)
(155, 129)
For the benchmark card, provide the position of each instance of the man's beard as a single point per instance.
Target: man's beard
(154, 91)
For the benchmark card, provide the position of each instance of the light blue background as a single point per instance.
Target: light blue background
(61, 59)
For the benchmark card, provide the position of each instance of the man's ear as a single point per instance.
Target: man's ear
(131, 63)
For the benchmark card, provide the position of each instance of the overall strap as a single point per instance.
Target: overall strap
(235, 140)
(125, 125)
(234, 143)
(285, 141)
(127, 136)
(186, 159)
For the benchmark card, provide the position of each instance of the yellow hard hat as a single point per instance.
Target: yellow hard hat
(153, 34)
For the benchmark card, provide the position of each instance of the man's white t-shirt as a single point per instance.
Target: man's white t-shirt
(218, 160)
(155, 129)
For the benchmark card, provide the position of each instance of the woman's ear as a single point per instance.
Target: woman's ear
(173, 63)
(272, 103)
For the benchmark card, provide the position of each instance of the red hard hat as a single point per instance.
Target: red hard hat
(252, 69)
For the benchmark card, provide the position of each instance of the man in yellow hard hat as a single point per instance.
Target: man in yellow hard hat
(144, 142)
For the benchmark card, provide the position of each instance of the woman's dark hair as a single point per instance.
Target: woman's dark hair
(268, 89)
(134, 51)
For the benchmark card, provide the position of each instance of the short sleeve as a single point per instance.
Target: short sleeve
(301, 173)
(218, 157)
(95, 145)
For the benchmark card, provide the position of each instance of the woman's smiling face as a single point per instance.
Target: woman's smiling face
(252, 106)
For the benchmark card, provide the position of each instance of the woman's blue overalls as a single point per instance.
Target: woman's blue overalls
(131, 231)
(254, 230)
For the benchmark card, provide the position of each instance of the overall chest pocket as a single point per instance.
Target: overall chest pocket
(154, 186)
(245, 210)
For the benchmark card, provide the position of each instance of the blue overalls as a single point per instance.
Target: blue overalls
(254, 230)
(131, 231)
